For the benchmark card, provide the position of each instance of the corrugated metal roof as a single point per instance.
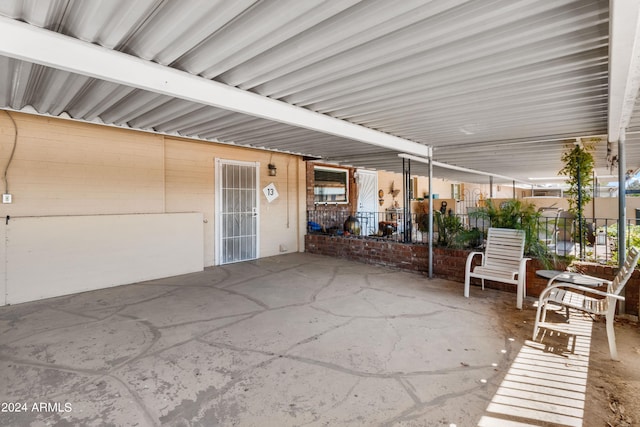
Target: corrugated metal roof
(500, 85)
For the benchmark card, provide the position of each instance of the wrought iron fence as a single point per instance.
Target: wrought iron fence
(560, 235)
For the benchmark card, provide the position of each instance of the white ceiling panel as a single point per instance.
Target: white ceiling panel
(499, 85)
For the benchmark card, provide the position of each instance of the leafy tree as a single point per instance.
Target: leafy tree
(634, 184)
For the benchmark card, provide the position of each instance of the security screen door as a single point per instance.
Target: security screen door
(237, 208)
(368, 201)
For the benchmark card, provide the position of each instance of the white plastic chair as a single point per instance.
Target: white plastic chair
(502, 261)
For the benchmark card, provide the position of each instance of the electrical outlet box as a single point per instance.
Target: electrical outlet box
(6, 198)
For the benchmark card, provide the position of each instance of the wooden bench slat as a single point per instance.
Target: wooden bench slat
(503, 260)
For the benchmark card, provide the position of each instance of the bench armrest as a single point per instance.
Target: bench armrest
(470, 259)
(604, 282)
(467, 270)
(522, 271)
(595, 279)
(563, 285)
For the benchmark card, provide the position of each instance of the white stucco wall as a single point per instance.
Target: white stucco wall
(52, 256)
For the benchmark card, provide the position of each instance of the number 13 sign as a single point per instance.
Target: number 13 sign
(270, 192)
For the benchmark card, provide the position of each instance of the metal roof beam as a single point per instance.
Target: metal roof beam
(460, 169)
(29, 43)
(624, 63)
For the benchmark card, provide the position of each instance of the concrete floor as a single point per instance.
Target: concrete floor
(291, 340)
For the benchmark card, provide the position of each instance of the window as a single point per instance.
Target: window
(455, 191)
(413, 189)
(331, 185)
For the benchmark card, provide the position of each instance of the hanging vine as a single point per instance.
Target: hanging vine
(578, 168)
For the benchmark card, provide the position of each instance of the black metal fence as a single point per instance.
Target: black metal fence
(560, 235)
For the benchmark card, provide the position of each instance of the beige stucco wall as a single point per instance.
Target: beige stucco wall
(605, 207)
(64, 167)
(440, 187)
(500, 191)
(190, 185)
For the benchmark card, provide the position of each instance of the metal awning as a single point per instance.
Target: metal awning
(498, 86)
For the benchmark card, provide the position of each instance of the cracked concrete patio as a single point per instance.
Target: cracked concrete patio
(297, 339)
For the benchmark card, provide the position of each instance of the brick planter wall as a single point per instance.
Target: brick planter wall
(448, 263)
(370, 251)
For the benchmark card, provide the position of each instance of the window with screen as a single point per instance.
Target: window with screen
(331, 185)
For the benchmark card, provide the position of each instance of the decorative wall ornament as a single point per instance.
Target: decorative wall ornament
(612, 159)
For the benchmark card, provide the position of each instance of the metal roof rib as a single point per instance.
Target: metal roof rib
(354, 82)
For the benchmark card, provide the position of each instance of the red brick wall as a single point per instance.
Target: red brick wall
(448, 263)
(353, 196)
(370, 251)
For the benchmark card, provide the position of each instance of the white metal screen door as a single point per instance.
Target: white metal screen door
(368, 201)
(237, 211)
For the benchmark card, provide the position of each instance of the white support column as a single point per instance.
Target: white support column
(624, 63)
(491, 187)
(430, 217)
(622, 206)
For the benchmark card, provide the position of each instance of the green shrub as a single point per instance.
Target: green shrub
(469, 238)
(515, 214)
(633, 238)
(448, 226)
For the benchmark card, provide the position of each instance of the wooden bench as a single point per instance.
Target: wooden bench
(587, 300)
(503, 261)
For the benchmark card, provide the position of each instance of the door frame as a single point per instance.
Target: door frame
(218, 205)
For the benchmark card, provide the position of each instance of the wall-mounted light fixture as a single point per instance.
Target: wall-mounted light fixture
(272, 169)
